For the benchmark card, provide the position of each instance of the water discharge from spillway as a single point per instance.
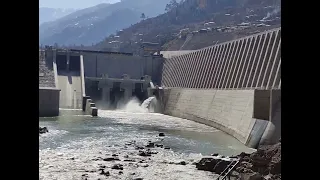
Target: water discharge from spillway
(133, 105)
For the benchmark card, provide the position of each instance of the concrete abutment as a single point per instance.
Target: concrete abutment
(243, 114)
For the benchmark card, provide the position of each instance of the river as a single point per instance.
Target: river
(75, 144)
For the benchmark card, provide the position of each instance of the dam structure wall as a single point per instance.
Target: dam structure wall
(49, 94)
(69, 78)
(112, 78)
(234, 86)
(102, 77)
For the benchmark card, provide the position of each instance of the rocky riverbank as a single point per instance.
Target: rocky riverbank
(131, 158)
(264, 164)
(116, 164)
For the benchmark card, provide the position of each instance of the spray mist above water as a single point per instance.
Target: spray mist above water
(134, 105)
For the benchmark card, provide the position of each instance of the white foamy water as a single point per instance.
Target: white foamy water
(132, 106)
(147, 102)
(156, 120)
(52, 134)
(75, 145)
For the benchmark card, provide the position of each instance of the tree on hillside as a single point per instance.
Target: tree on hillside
(172, 4)
(143, 16)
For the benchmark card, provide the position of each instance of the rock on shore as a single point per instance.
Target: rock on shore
(215, 164)
(264, 164)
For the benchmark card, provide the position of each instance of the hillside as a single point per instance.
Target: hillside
(93, 24)
(201, 22)
(50, 14)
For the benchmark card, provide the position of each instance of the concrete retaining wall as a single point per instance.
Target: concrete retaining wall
(49, 102)
(231, 111)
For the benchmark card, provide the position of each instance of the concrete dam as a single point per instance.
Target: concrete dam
(86, 79)
(233, 86)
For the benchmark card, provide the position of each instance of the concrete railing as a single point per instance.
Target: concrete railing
(250, 62)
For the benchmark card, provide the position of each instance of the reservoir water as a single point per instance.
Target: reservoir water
(76, 144)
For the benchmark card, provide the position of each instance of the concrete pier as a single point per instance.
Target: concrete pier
(48, 101)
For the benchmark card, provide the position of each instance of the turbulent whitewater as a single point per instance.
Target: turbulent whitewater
(75, 146)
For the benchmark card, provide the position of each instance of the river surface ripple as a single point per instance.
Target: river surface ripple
(75, 143)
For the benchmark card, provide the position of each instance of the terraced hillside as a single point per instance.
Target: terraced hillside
(46, 75)
(196, 24)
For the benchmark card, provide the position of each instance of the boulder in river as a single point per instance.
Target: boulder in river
(117, 166)
(159, 145)
(144, 165)
(43, 130)
(144, 153)
(151, 152)
(139, 147)
(182, 163)
(161, 134)
(105, 173)
(84, 177)
(111, 159)
(150, 145)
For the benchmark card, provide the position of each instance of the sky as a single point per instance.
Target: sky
(74, 4)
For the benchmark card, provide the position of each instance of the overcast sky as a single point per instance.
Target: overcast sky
(76, 4)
